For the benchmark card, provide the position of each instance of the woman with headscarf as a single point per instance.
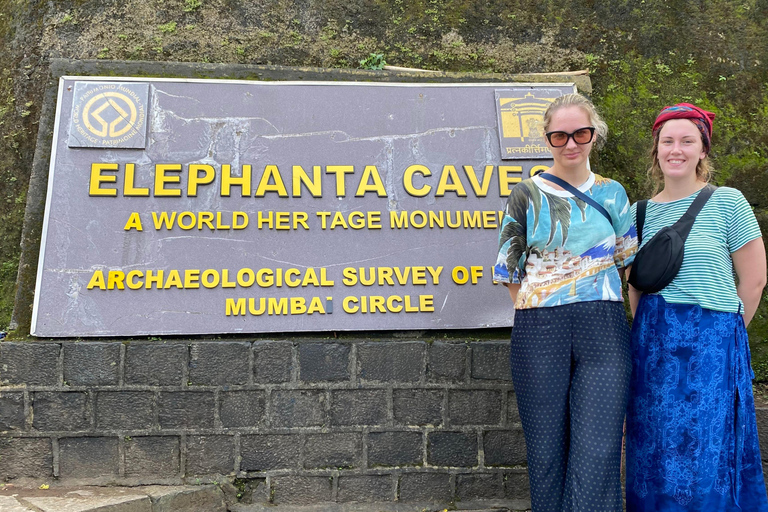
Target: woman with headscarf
(692, 440)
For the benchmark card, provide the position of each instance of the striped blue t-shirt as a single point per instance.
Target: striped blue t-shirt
(722, 227)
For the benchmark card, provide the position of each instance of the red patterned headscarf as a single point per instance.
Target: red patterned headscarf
(700, 117)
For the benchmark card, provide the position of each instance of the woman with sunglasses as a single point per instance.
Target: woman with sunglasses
(561, 256)
(692, 440)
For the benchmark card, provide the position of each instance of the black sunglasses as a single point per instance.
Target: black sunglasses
(581, 136)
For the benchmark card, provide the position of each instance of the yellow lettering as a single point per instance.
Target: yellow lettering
(134, 222)
(191, 278)
(278, 306)
(174, 279)
(371, 173)
(271, 173)
(298, 305)
(162, 179)
(163, 219)
(480, 191)
(313, 186)
(340, 171)
(97, 281)
(151, 279)
(115, 279)
(130, 279)
(505, 180)
(97, 178)
(196, 179)
(210, 279)
(235, 308)
(408, 180)
(350, 276)
(128, 186)
(228, 181)
(349, 305)
(246, 277)
(455, 185)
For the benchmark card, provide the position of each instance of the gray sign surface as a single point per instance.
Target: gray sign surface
(275, 207)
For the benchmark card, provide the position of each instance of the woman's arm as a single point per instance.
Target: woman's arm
(634, 295)
(512, 288)
(749, 263)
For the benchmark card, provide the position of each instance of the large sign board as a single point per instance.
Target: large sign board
(207, 206)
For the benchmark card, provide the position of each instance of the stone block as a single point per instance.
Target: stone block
(91, 363)
(12, 410)
(391, 362)
(504, 447)
(298, 408)
(218, 363)
(359, 407)
(447, 362)
(210, 455)
(474, 407)
(68, 411)
(273, 361)
(206, 498)
(270, 451)
(301, 490)
(124, 410)
(366, 489)
(324, 362)
(517, 485)
(454, 449)
(479, 486)
(243, 408)
(153, 456)
(25, 457)
(338, 450)
(490, 361)
(428, 487)
(186, 409)
(155, 364)
(30, 363)
(418, 406)
(513, 414)
(395, 449)
(88, 457)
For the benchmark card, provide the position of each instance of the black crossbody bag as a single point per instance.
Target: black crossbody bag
(658, 262)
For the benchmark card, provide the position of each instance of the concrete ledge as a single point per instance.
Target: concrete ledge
(207, 498)
(467, 506)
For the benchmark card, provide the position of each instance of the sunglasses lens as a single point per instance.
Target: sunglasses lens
(582, 136)
(558, 139)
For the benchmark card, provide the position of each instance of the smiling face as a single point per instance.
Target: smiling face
(571, 156)
(679, 150)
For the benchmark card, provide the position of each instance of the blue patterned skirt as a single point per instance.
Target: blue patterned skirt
(691, 432)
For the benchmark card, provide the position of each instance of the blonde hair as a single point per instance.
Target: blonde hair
(577, 100)
(656, 175)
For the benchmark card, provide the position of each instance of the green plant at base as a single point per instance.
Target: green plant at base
(373, 61)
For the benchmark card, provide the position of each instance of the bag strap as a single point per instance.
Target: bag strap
(684, 225)
(640, 218)
(578, 193)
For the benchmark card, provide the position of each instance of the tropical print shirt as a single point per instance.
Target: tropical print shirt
(560, 249)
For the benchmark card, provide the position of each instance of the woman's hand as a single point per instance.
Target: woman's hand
(749, 263)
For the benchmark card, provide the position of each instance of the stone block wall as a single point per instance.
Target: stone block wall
(294, 421)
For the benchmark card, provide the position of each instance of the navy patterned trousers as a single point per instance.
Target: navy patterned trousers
(570, 368)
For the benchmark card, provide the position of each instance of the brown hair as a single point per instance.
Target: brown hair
(655, 174)
(577, 100)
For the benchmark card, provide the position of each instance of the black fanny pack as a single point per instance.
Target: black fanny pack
(658, 262)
